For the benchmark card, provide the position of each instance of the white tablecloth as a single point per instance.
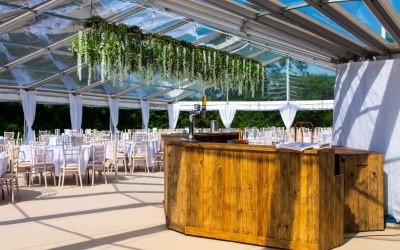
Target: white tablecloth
(2, 140)
(58, 157)
(152, 147)
(3, 164)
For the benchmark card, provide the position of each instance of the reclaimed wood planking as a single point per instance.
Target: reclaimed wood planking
(269, 198)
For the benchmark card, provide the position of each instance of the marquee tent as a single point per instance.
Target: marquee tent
(35, 56)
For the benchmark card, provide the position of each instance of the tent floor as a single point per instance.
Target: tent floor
(127, 214)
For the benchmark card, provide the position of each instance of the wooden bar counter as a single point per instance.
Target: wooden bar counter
(253, 194)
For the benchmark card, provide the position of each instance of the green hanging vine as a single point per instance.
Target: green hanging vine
(113, 51)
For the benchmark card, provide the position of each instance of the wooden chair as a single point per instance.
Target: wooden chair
(23, 168)
(72, 159)
(139, 153)
(43, 132)
(42, 162)
(118, 155)
(159, 156)
(121, 153)
(299, 125)
(9, 135)
(98, 162)
(3, 148)
(76, 140)
(10, 178)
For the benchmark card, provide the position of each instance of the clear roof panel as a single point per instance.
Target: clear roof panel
(175, 94)
(98, 90)
(7, 13)
(84, 9)
(144, 91)
(152, 20)
(396, 5)
(58, 84)
(7, 78)
(292, 2)
(9, 52)
(360, 11)
(23, 75)
(47, 63)
(190, 32)
(321, 18)
(264, 57)
(222, 41)
(41, 32)
(26, 3)
(248, 49)
(246, 3)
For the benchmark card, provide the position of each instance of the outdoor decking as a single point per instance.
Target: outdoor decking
(123, 215)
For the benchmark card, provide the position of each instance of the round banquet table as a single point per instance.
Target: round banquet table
(58, 157)
(152, 147)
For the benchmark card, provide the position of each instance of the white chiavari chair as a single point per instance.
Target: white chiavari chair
(42, 163)
(98, 162)
(72, 163)
(139, 153)
(11, 176)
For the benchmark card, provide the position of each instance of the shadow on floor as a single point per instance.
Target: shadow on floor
(109, 240)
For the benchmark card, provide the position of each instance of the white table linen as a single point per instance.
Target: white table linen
(58, 156)
(152, 147)
(2, 140)
(3, 163)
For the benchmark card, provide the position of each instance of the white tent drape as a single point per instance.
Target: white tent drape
(145, 113)
(114, 112)
(173, 115)
(227, 113)
(75, 111)
(28, 99)
(288, 113)
(366, 116)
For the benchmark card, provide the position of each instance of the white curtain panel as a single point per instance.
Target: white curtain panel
(114, 112)
(75, 111)
(227, 113)
(288, 113)
(366, 116)
(173, 115)
(145, 113)
(28, 99)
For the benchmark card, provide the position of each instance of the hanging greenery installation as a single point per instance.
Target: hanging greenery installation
(114, 51)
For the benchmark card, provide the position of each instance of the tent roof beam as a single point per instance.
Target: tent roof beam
(279, 11)
(351, 24)
(387, 16)
(282, 29)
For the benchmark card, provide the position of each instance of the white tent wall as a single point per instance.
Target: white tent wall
(366, 116)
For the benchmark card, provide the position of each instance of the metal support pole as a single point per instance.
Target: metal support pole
(287, 81)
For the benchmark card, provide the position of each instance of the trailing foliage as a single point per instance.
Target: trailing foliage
(113, 51)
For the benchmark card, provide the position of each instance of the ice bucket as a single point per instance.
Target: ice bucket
(213, 126)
